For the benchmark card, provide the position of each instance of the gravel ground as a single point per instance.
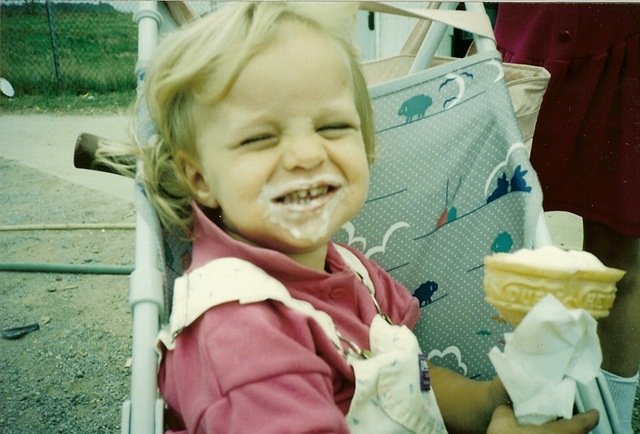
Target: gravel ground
(72, 374)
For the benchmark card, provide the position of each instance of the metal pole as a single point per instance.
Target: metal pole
(432, 41)
(54, 44)
(66, 268)
(146, 299)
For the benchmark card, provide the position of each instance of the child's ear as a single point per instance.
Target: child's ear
(192, 172)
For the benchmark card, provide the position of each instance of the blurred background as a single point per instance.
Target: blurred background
(84, 53)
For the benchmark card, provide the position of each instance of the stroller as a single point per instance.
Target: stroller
(434, 210)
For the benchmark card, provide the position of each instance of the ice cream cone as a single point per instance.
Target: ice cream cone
(515, 282)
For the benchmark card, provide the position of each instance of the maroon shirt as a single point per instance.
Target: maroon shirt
(586, 147)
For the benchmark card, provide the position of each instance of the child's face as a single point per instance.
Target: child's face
(282, 155)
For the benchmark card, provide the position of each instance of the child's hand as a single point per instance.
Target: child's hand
(504, 421)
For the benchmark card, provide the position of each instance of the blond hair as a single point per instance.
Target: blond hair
(199, 64)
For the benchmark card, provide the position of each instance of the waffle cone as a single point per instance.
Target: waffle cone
(514, 288)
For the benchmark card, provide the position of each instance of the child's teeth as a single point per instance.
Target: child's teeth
(300, 196)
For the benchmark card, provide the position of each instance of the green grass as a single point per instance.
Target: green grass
(112, 102)
(96, 52)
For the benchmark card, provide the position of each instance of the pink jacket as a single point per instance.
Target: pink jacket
(264, 368)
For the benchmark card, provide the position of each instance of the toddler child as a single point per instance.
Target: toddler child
(265, 137)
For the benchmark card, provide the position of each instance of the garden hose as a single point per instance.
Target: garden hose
(67, 268)
(67, 227)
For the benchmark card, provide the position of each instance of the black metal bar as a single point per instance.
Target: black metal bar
(54, 44)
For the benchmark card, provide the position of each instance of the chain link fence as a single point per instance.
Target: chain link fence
(52, 47)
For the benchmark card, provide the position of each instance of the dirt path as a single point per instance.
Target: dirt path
(72, 374)
(46, 143)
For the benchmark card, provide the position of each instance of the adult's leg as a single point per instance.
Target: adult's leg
(620, 331)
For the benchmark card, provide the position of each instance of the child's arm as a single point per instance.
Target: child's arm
(466, 405)
(256, 368)
(504, 421)
(469, 406)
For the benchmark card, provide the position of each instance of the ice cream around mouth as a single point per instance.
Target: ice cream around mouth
(303, 207)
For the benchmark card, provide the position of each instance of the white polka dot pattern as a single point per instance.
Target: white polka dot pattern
(452, 184)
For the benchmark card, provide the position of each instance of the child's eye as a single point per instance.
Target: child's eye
(334, 130)
(260, 139)
(332, 127)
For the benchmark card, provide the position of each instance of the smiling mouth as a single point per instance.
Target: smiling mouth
(304, 207)
(305, 196)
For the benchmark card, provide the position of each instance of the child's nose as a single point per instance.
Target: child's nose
(306, 153)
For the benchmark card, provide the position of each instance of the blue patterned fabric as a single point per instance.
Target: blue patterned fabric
(451, 184)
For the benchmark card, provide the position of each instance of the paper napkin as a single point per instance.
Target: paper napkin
(544, 357)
